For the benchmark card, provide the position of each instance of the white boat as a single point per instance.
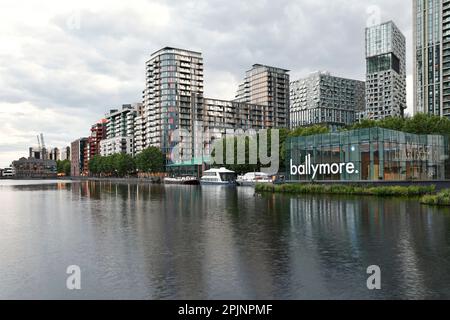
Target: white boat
(8, 172)
(220, 176)
(252, 178)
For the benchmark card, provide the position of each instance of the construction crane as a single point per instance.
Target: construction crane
(42, 141)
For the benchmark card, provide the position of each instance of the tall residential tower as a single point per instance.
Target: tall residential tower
(267, 86)
(386, 71)
(175, 113)
(172, 99)
(432, 56)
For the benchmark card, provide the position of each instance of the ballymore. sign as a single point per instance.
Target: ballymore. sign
(314, 170)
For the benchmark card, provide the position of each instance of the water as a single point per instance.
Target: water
(136, 241)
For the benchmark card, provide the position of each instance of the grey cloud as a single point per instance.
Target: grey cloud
(63, 68)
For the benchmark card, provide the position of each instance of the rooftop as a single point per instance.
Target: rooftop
(259, 65)
(175, 49)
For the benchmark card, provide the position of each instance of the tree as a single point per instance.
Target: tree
(150, 160)
(284, 134)
(309, 131)
(67, 168)
(94, 165)
(63, 167)
(363, 124)
(123, 164)
(107, 166)
(421, 123)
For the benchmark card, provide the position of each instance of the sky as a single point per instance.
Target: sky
(64, 64)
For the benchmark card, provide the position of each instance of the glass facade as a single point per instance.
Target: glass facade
(431, 75)
(368, 155)
(383, 62)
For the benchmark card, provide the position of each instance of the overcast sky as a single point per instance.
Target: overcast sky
(63, 64)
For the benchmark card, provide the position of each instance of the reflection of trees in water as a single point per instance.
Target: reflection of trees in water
(42, 187)
(215, 242)
(348, 234)
(257, 243)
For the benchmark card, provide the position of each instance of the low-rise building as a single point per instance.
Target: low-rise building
(34, 168)
(371, 154)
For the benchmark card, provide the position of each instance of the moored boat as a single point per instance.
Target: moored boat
(220, 176)
(252, 178)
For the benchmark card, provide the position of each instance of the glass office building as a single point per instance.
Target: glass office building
(372, 154)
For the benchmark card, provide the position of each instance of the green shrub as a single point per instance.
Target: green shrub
(440, 199)
(384, 191)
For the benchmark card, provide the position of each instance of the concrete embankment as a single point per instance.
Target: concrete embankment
(438, 184)
(155, 180)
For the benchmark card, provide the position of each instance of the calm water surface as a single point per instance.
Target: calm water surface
(136, 241)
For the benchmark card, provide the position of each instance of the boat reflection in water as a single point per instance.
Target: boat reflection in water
(144, 241)
(186, 180)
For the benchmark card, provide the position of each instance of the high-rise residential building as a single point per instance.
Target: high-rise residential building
(172, 99)
(120, 122)
(220, 117)
(173, 102)
(120, 130)
(267, 86)
(432, 56)
(386, 71)
(139, 129)
(77, 157)
(324, 99)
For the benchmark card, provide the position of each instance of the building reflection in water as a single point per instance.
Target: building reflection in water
(348, 234)
(213, 242)
(190, 242)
